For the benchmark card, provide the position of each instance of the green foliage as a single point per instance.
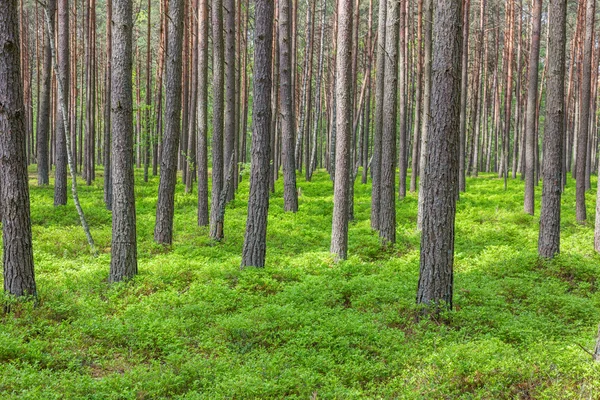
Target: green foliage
(191, 325)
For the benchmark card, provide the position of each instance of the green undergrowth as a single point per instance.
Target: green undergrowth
(192, 325)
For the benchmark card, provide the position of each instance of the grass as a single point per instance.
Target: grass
(191, 325)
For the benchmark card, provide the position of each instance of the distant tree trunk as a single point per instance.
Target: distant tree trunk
(530, 136)
(60, 177)
(19, 279)
(123, 261)
(339, 234)
(418, 99)
(462, 185)
(582, 140)
(441, 172)
(163, 230)
(216, 230)
(203, 113)
(288, 119)
(148, 113)
(43, 121)
(403, 64)
(90, 142)
(427, 44)
(549, 237)
(108, 187)
(516, 139)
(229, 127)
(378, 122)
(191, 128)
(387, 212)
(510, 11)
(255, 246)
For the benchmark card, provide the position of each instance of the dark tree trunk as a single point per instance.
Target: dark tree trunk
(255, 246)
(17, 255)
(530, 136)
(441, 172)
(229, 127)
(343, 169)
(216, 229)
(60, 177)
(288, 119)
(43, 120)
(387, 211)
(584, 118)
(378, 122)
(202, 113)
(462, 185)
(163, 231)
(108, 187)
(549, 237)
(123, 262)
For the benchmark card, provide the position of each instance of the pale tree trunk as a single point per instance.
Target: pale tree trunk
(549, 236)
(403, 65)
(339, 233)
(255, 246)
(123, 261)
(441, 172)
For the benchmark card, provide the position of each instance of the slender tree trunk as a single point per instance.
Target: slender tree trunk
(549, 237)
(530, 136)
(418, 100)
(203, 113)
(229, 127)
(403, 65)
(148, 112)
(123, 262)
(19, 279)
(60, 174)
(441, 172)
(290, 196)
(108, 187)
(462, 185)
(255, 245)
(163, 230)
(339, 234)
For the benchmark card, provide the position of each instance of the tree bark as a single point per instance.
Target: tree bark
(202, 113)
(163, 230)
(229, 127)
(441, 172)
(108, 187)
(462, 185)
(17, 255)
(549, 235)
(60, 177)
(123, 262)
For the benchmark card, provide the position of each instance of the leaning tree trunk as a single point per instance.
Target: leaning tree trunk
(387, 211)
(343, 169)
(549, 237)
(163, 230)
(582, 140)
(531, 117)
(255, 246)
(290, 196)
(123, 261)
(441, 172)
(43, 120)
(17, 255)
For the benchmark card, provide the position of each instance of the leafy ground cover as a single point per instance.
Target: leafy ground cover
(191, 325)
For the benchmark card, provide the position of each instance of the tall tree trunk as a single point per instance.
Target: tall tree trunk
(418, 100)
(163, 230)
(19, 279)
(60, 174)
(290, 196)
(530, 136)
(123, 261)
(549, 236)
(229, 127)
(403, 65)
(43, 121)
(148, 112)
(441, 172)
(339, 233)
(202, 143)
(108, 187)
(255, 246)
(216, 229)
(582, 140)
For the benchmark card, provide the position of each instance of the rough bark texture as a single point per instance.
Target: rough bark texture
(218, 105)
(43, 120)
(582, 140)
(462, 185)
(549, 237)
(108, 187)
(441, 173)
(123, 262)
(60, 174)
(403, 65)
(290, 195)
(378, 121)
(387, 209)
(17, 256)
(255, 245)
(229, 127)
(531, 117)
(339, 233)
(163, 230)
(202, 147)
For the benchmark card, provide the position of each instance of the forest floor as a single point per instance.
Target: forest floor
(193, 325)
